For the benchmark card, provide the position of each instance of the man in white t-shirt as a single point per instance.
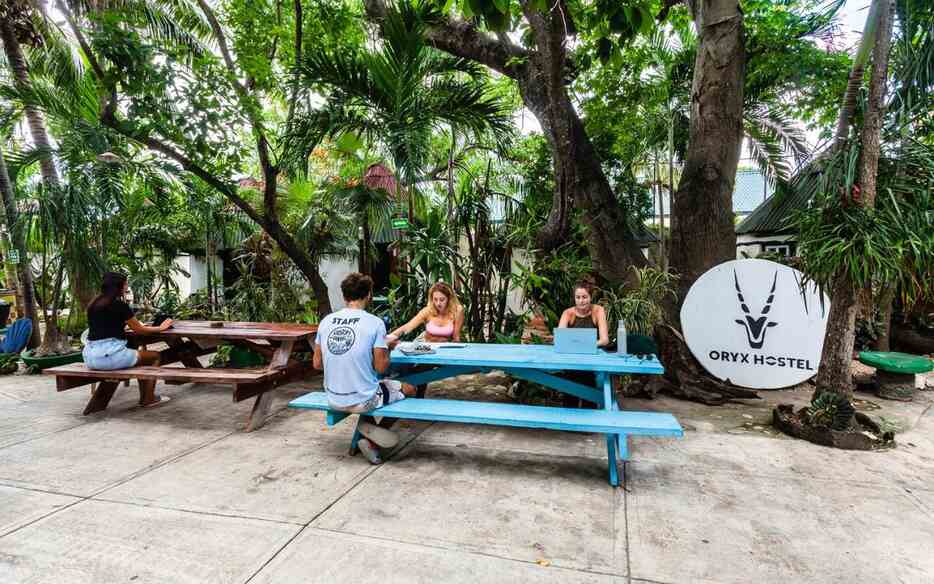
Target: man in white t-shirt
(351, 348)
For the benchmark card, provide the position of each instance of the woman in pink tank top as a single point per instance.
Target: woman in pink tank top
(443, 317)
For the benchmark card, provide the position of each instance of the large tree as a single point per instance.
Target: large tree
(541, 68)
(835, 372)
(702, 233)
(237, 90)
(16, 26)
(23, 271)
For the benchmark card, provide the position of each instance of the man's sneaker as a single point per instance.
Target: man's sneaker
(370, 451)
(381, 436)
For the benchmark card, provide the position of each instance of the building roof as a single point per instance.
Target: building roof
(749, 190)
(774, 214)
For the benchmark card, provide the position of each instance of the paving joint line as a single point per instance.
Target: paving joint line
(49, 514)
(157, 465)
(50, 433)
(452, 547)
(625, 497)
(196, 512)
(336, 500)
(92, 496)
(39, 490)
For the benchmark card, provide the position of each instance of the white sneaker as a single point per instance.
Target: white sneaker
(370, 451)
(380, 436)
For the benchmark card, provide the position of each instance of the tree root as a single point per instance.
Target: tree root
(684, 377)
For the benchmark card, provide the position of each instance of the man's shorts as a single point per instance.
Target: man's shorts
(389, 391)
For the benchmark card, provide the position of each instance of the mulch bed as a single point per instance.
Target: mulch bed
(862, 434)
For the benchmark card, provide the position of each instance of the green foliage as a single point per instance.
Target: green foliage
(547, 283)
(642, 307)
(221, 358)
(868, 331)
(892, 242)
(397, 95)
(9, 363)
(793, 61)
(830, 410)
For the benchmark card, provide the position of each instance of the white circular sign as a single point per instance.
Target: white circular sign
(753, 323)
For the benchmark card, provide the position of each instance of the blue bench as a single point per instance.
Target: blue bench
(617, 425)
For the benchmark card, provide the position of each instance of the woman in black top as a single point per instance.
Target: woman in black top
(106, 350)
(584, 314)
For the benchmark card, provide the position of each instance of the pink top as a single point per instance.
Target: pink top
(439, 330)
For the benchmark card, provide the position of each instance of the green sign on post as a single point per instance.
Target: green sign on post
(400, 223)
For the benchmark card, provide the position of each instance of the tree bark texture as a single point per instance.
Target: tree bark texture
(886, 301)
(835, 373)
(702, 228)
(34, 118)
(541, 74)
(25, 289)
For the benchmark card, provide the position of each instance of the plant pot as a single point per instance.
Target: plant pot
(241, 358)
(42, 363)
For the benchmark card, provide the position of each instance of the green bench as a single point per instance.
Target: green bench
(895, 372)
(617, 424)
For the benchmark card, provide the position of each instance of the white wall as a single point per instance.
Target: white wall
(753, 245)
(197, 267)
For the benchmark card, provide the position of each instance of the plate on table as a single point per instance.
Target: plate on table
(449, 345)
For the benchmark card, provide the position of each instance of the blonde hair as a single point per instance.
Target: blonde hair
(454, 304)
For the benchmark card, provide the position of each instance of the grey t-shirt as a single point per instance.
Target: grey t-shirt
(347, 339)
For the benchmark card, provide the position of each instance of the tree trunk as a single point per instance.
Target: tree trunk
(834, 373)
(34, 118)
(855, 80)
(303, 261)
(53, 340)
(702, 229)
(25, 288)
(579, 177)
(886, 299)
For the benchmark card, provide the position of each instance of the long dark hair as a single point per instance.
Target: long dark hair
(111, 289)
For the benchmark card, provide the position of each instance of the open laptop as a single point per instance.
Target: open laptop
(579, 341)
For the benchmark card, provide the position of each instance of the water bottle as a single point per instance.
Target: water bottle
(621, 338)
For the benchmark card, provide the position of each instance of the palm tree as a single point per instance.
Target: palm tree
(397, 95)
(852, 161)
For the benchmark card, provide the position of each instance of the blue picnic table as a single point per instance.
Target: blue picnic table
(534, 363)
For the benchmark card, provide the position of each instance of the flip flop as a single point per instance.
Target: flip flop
(162, 399)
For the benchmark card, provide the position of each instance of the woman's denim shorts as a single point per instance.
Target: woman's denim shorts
(109, 354)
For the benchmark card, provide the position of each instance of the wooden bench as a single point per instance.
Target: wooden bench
(246, 383)
(616, 423)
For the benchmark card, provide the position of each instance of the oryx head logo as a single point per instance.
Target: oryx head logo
(755, 327)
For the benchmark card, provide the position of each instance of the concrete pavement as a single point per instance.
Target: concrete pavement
(180, 494)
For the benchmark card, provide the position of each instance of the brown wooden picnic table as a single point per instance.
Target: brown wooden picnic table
(188, 340)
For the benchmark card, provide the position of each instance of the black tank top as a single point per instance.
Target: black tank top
(582, 321)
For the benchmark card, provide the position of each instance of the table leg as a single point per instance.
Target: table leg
(280, 360)
(184, 351)
(281, 357)
(616, 446)
(260, 411)
(101, 397)
(611, 459)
